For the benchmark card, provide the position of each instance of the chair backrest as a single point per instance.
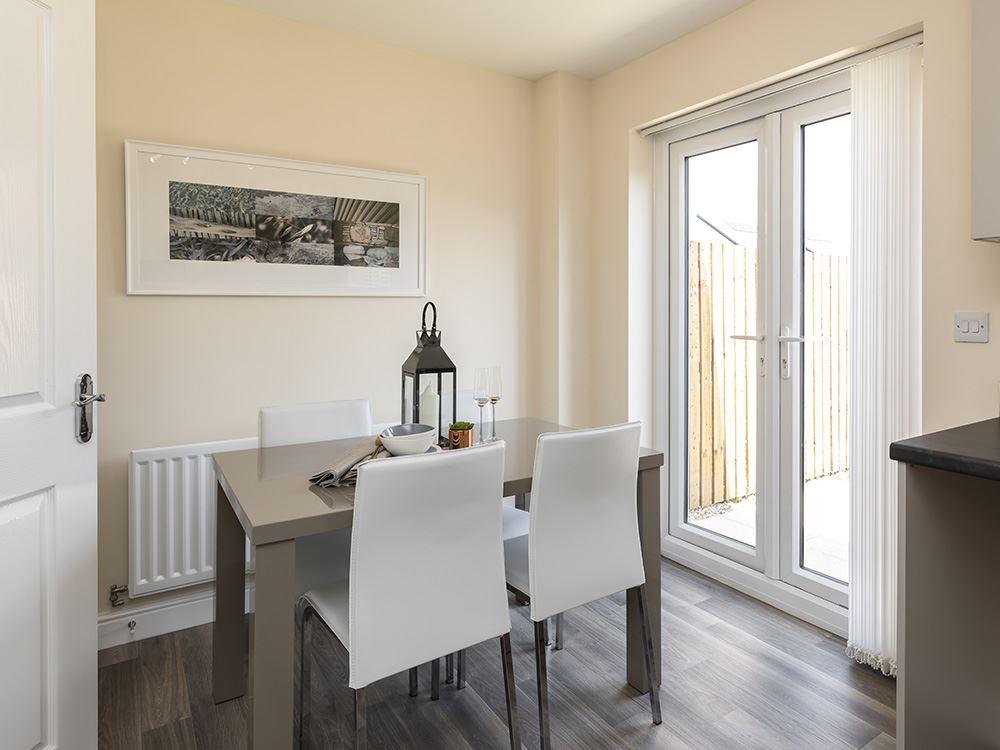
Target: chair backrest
(583, 539)
(427, 571)
(312, 423)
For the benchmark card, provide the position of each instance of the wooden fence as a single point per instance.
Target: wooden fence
(825, 316)
(722, 371)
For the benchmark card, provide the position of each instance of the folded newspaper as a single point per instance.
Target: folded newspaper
(343, 470)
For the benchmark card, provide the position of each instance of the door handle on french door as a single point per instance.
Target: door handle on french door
(760, 354)
(84, 403)
(786, 360)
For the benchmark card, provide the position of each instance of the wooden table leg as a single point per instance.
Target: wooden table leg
(648, 499)
(272, 640)
(229, 639)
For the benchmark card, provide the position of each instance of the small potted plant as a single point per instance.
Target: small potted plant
(460, 435)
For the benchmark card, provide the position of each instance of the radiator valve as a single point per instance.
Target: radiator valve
(118, 595)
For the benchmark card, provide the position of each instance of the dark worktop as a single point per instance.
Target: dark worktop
(972, 449)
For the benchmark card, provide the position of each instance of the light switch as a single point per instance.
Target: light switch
(972, 327)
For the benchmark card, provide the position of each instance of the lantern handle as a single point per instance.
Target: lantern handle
(434, 320)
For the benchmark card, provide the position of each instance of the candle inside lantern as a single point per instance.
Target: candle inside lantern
(429, 401)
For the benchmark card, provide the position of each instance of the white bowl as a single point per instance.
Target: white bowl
(408, 439)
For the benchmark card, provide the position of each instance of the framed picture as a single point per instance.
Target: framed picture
(200, 221)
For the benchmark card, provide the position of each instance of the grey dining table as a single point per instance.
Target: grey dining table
(264, 495)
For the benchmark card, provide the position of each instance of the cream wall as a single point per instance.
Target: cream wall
(761, 41)
(186, 369)
(562, 203)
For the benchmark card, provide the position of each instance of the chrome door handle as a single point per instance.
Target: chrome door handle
(802, 339)
(786, 360)
(84, 403)
(90, 399)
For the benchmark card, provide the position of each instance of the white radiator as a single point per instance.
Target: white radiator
(171, 501)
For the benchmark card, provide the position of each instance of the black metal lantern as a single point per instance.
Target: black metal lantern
(428, 358)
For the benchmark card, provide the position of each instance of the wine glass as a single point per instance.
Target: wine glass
(480, 392)
(493, 391)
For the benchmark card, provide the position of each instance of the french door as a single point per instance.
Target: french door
(758, 230)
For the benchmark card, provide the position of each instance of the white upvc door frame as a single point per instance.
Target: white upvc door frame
(793, 120)
(752, 131)
(758, 571)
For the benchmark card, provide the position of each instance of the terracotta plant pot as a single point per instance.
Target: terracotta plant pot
(459, 439)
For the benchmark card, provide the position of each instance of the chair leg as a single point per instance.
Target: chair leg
(461, 669)
(435, 679)
(413, 682)
(647, 647)
(559, 632)
(510, 692)
(305, 683)
(449, 669)
(360, 719)
(543, 684)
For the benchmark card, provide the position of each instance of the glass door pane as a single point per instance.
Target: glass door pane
(722, 325)
(826, 234)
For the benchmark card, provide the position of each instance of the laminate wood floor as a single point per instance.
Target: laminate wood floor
(736, 674)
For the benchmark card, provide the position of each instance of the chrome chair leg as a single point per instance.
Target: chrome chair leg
(360, 719)
(541, 637)
(435, 679)
(461, 670)
(510, 692)
(559, 632)
(413, 682)
(449, 669)
(647, 648)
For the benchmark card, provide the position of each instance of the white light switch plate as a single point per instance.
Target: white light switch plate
(972, 327)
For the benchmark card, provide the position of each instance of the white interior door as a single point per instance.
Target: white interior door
(48, 489)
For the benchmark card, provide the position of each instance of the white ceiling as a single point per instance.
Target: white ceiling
(527, 38)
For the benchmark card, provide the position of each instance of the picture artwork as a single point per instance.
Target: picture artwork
(224, 223)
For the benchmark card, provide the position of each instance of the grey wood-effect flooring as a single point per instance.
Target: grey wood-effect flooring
(736, 674)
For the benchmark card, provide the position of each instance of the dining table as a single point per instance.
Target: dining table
(265, 496)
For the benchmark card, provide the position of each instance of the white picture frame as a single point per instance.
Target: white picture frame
(182, 238)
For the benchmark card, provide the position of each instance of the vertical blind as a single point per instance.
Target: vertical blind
(885, 326)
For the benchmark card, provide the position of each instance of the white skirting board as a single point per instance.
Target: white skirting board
(184, 610)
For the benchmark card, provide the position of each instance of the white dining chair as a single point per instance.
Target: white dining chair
(314, 423)
(407, 602)
(320, 557)
(515, 522)
(583, 538)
